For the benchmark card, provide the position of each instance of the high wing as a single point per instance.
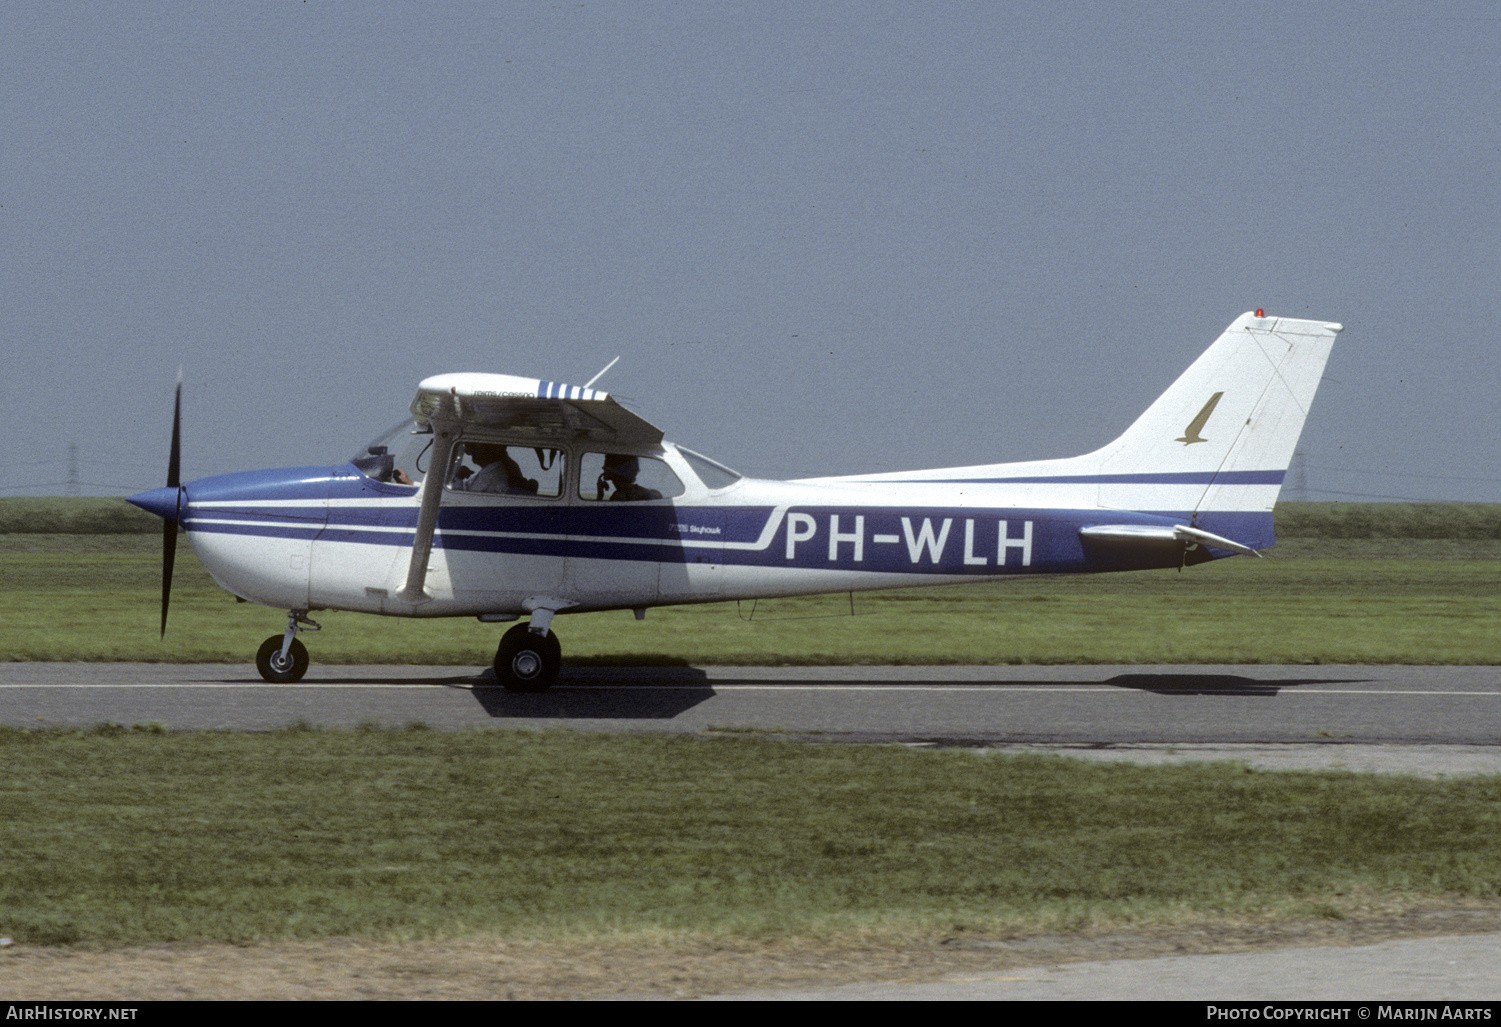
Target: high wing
(541, 412)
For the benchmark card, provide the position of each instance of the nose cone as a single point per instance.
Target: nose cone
(162, 502)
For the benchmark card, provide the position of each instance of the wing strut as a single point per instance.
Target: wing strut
(427, 516)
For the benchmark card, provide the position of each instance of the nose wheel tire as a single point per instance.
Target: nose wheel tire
(526, 661)
(276, 669)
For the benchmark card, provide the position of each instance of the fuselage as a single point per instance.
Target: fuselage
(335, 537)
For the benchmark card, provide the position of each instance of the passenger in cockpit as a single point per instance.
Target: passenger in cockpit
(498, 472)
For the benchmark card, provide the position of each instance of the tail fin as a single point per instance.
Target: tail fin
(1218, 442)
(1212, 450)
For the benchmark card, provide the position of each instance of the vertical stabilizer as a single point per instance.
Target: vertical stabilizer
(1212, 451)
(1219, 441)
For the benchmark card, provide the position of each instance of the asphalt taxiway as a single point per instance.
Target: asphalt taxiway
(1088, 708)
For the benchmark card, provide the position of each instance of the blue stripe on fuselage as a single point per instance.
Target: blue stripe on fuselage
(936, 540)
(1165, 478)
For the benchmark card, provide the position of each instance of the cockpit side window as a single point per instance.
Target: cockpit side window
(508, 470)
(622, 478)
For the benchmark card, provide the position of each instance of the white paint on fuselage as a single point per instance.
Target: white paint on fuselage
(262, 569)
(365, 576)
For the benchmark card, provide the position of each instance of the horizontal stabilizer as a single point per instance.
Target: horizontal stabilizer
(1133, 533)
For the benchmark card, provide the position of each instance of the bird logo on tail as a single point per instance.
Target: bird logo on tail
(1191, 433)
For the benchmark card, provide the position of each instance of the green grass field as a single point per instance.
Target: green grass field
(118, 837)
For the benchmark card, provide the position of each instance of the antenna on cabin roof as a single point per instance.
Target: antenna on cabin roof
(590, 383)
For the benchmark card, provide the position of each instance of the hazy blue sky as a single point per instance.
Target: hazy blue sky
(824, 237)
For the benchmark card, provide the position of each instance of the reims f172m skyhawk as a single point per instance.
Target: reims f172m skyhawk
(506, 497)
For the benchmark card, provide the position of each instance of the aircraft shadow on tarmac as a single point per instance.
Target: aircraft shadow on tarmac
(657, 693)
(644, 703)
(1216, 684)
(661, 693)
(650, 693)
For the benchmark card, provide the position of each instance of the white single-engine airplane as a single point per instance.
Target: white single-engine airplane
(507, 496)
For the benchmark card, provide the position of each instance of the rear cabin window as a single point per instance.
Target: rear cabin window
(712, 473)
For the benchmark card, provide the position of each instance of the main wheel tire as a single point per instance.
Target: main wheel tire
(526, 661)
(277, 670)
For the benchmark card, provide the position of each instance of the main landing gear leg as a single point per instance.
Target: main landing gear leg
(529, 656)
(283, 659)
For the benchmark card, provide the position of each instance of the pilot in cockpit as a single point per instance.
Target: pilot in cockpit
(619, 473)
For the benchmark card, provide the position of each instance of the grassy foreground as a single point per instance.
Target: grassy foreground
(117, 836)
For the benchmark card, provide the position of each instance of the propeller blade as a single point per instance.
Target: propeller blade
(169, 557)
(169, 524)
(174, 461)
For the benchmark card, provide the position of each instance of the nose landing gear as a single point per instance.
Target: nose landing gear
(282, 659)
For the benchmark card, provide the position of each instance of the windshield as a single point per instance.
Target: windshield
(399, 456)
